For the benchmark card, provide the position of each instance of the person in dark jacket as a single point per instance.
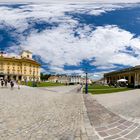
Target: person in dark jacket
(6, 83)
(2, 83)
(12, 84)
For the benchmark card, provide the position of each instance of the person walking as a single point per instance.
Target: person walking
(18, 82)
(12, 84)
(2, 83)
(6, 82)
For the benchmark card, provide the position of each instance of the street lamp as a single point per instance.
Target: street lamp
(86, 86)
(33, 84)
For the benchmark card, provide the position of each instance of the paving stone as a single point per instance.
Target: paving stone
(103, 134)
(132, 127)
(136, 124)
(90, 132)
(113, 131)
(108, 125)
(114, 125)
(124, 132)
(122, 121)
(39, 114)
(112, 137)
(84, 137)
(95, 137)
(127, 123)
(121, 139)
(77, 133)
(83, 130)
(101, 128)
(134, 134)
(77, 138)
(122, 127)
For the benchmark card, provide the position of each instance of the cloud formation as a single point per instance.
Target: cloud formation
(107, 45)
(72, 1)
(60, 40)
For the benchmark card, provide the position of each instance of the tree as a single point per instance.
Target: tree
(44, 77)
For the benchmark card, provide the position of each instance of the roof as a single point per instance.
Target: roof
(18, 59)
(26, 51)
(123, 70)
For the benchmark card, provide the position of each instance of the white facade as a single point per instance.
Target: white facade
(67, 79)
(75, 79)
(63, 79)
(26, 54)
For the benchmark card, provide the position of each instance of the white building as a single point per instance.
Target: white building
(66, 79)
(75, 79)
(63, 79)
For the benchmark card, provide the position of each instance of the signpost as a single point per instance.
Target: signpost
(86, 86)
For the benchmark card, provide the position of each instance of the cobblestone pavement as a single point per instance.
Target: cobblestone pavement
(109, 126)
(36, 114)
(61, 89)
(123, 103)
(48, 114)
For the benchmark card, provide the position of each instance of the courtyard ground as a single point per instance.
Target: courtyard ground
(64, 113)
(43, 84)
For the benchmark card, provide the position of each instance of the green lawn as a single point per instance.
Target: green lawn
(44, 84)
(99, 89)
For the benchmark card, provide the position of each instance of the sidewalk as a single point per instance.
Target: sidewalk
(109, 126)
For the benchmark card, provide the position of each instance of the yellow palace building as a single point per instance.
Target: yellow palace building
(22, 68)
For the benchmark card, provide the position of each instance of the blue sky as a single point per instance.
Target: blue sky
(71, 37)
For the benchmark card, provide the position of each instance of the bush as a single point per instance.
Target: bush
(130, 86)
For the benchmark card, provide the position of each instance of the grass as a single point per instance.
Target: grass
(99, 89)
(44, 84)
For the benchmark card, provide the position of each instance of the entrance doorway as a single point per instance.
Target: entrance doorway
(132, 80)
(1, 76)
(14, 77)
(8, 77)
(20, 78)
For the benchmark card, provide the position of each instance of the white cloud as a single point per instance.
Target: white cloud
(60, 70)
(49, 12)
(104, 8)
(58, 46)
(72, 1)
(125, 59)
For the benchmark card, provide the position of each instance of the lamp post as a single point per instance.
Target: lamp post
(33, 84)
(86, 86)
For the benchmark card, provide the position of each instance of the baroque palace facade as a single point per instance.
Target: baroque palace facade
(131, 74)
(22, 68)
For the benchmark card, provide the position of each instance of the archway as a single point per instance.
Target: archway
(1, 75)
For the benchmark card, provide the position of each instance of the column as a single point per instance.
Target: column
(119, 77)
(28, 79)
(17, 78)
(135, 79)
(116, 78)
(129, 78)
(11, 77)
(22, 78)
(5, 76)
(138, 78)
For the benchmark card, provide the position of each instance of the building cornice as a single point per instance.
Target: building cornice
(20, 60)
(131, 69)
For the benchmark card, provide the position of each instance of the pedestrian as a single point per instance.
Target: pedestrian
(2, 83)
(18, 82)
(12, 84)
(6, 82)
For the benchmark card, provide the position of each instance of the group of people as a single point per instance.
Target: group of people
(4, 83)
